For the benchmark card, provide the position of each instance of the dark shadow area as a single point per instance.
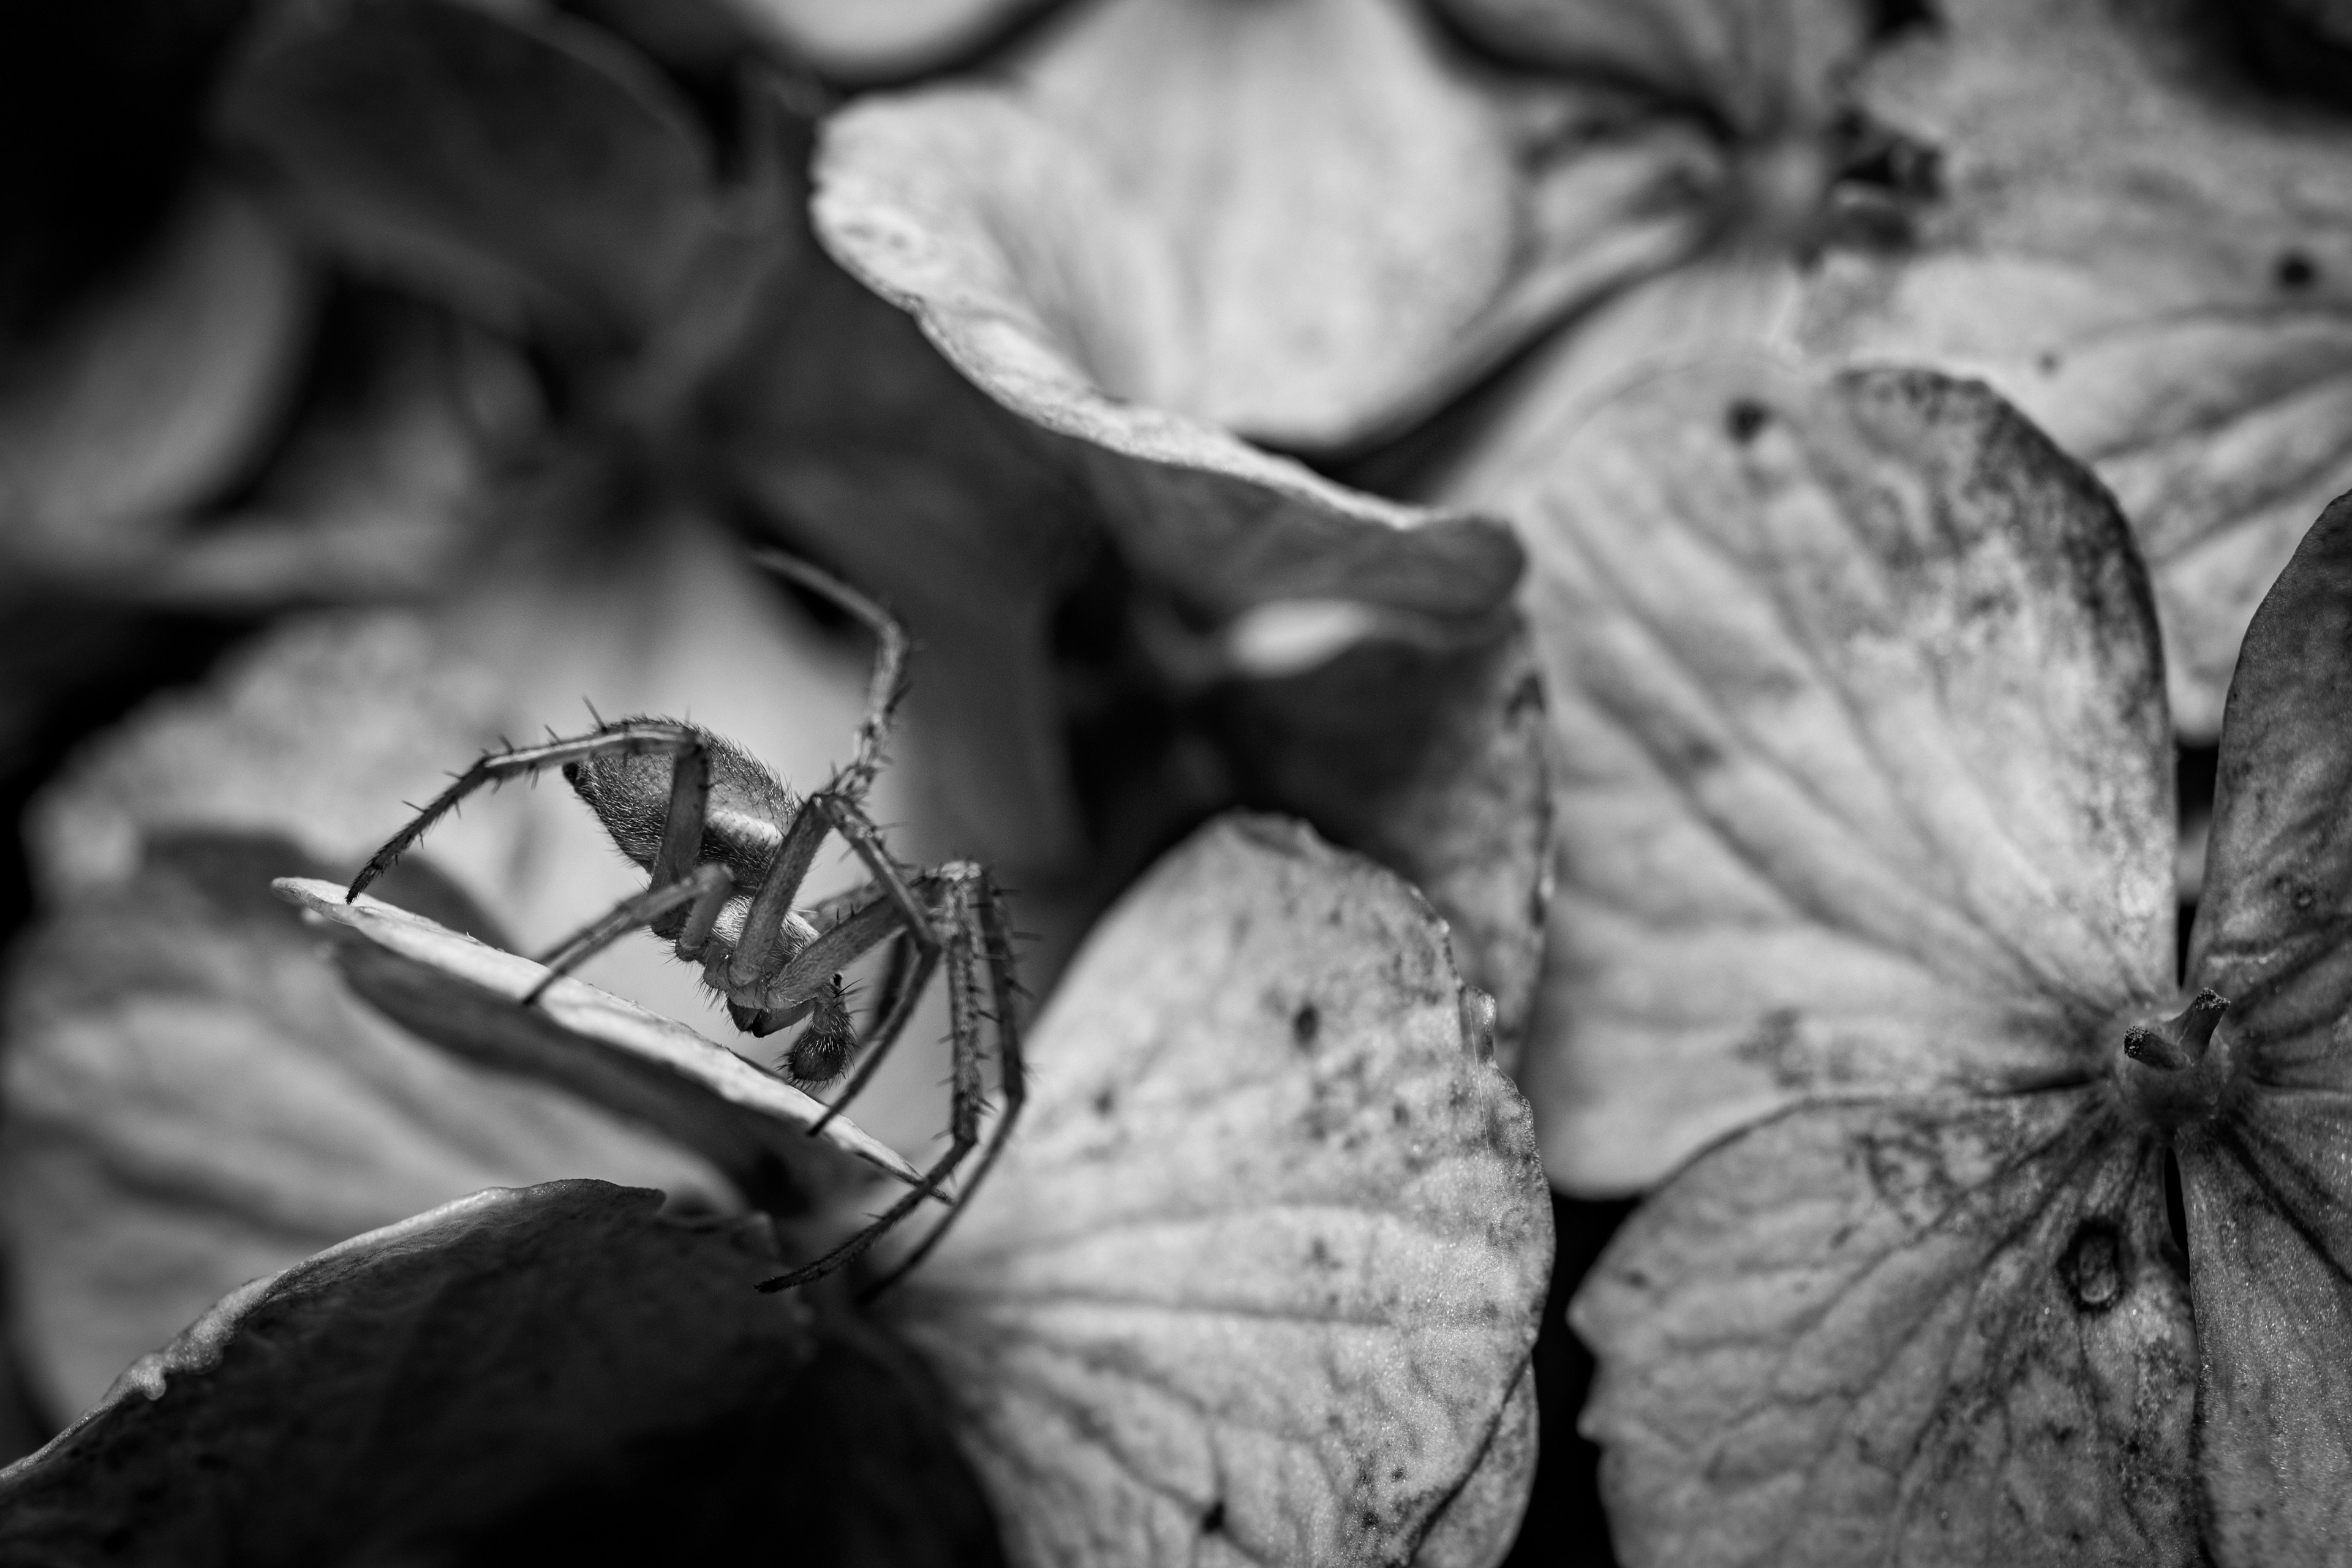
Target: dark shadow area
(1564, 1526)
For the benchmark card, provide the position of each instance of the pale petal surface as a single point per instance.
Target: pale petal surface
(2144, 249)
(978, 213)
(1862, 767)
(1350, 220)
(1260, 1272)
(467, 997)
(1901, 1331)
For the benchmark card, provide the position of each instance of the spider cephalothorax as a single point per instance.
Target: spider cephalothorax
(728, 846)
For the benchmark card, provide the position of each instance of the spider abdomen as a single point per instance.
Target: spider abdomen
(745, 819)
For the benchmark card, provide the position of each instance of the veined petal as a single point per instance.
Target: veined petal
(1865, 774)
(1901, 1331)
(2272, 925)
(2270, 1245)
(1260, 1272)
(2146, 252)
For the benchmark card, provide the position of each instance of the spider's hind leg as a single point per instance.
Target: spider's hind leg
(988, 930)
(689, 789)
(964, 1009)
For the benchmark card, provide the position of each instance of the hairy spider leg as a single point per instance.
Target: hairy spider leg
(864, 841)
(702, 895)
(995, 940)
(496, 767)
(888, 684)
(965, 1012)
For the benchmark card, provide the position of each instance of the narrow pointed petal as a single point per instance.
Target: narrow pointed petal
(2270, 1240)
(2272, 926)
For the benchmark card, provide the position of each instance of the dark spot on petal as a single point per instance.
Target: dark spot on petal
(1213, 1521)
(1744, 419)
(1105, 1101)
(2295, 270)
(2047, 364)
(2092, 1266)
(1304, 1025)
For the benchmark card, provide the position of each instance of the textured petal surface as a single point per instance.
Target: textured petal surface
(1863, 767)
(467, 996)
(194, 1098)
(2272, 928)
(2146, 252)
(2271, 1239)
(525, 165)
(1901, 1331)
(1437, 769)
(2269, 1184)
(1257, 1277)
(396, 1390)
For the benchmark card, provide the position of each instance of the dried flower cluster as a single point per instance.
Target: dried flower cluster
(1731, 603)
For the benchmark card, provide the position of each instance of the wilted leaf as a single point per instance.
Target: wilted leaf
(193, 1098)
(1851, 683)
(1259, 1273)
(1897, 1323)
(526, 165)
(404, 1389)
(2144, 251)
(467, 997)
(157, 391)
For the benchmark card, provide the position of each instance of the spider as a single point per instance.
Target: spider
(716, 828)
